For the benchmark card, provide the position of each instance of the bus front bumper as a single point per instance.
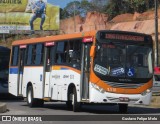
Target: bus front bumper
(96, 96)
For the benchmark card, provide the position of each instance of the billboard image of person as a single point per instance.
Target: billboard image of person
(28, 15)
(38, 10)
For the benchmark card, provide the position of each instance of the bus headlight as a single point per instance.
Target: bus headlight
(98, 88)
(146, 92)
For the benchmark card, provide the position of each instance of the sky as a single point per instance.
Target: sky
(61, 3)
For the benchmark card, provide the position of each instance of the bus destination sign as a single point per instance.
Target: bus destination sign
(124, 37)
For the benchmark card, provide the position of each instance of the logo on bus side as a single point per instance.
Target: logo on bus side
(56, 76)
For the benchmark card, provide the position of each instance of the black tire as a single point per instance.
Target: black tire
(69, 105)
(123, 108)
(69, 102)
(31, 101)
(76, 105)
(39, 102)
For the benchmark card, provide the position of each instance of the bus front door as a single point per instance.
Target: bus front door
(85, 71)
(20, 70)
(47, 70)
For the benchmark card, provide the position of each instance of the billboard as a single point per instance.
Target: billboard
(17, 14)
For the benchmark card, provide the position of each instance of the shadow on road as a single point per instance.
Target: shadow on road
(92, 109)
(9, 97)
(104, 109)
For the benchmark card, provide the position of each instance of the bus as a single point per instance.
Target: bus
(95, 67)
(4, 65)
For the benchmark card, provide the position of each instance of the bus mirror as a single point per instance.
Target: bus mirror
(92, 51)
(150, 62)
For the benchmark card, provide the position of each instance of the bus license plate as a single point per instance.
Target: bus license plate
(124, 99)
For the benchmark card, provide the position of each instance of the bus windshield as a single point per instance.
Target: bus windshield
(119, 60)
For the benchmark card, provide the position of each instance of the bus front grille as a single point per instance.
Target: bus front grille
(113, 99)
(124, 85)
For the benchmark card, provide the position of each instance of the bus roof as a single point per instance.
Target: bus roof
(54, 38)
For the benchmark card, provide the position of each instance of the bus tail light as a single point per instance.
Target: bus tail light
(87, 39)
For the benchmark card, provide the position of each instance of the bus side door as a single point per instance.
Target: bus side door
(20, 69)
(85, 70)
(16, 70)
(48, 59)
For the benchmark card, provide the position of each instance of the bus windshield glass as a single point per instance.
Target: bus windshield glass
(116, 61)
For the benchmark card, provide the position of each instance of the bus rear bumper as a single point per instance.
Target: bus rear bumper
(96, 96)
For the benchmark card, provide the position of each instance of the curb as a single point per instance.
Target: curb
(3, 107)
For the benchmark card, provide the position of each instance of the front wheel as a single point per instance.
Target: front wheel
(76, 105)
(123, 108)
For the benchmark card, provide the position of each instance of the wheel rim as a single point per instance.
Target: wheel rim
(29, 96)
(72, 99)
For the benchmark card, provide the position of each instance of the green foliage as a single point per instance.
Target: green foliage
(111, 7)
(72, 8)
(82, 7)
(138, 5)
(98, 5)
(116, 7)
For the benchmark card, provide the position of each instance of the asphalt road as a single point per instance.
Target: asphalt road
(19, 107)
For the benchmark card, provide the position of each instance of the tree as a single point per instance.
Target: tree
(98, 5)
(85, 7)
(81, 8)
(72, 8)
(116, 7)
(63, 13)
(138, 5)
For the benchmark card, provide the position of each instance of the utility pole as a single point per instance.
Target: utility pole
(156, 33)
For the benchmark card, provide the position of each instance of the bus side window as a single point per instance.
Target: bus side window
(39, 54)
(61, 52)
(29, 55)
(15, 56)
(34, 54)
(75, 53)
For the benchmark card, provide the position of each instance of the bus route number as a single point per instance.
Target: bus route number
(111, 89)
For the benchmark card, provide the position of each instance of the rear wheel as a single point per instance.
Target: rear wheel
(31, 101)
(123, 108)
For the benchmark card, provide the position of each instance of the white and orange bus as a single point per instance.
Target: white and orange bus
(101, 67)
